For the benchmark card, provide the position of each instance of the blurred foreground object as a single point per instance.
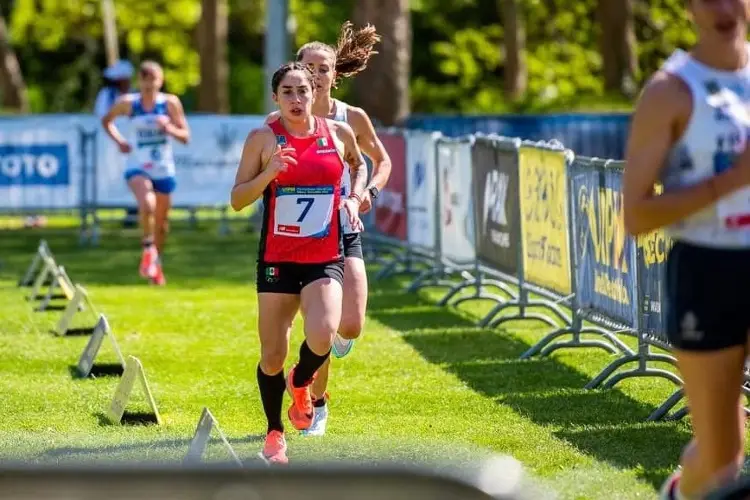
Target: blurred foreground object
(500, 478)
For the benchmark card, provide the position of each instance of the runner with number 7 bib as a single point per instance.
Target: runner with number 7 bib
(296, 163)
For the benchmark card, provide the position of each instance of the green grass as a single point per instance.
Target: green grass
(424, 383)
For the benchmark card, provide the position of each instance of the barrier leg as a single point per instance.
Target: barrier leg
(661, 412)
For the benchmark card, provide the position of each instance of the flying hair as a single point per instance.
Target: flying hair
(353, 49)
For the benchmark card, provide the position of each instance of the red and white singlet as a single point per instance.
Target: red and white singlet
(301, 221)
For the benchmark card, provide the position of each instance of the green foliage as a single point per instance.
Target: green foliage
(458, 59)
(57, 30)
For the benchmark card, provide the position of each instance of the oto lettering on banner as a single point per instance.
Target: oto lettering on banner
(456, 210)
(652, 258)
(496, 204)
(606, 271)
(390, 205)
(40, 164)
(544, 214)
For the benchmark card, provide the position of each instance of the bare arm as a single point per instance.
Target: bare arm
(251, 178)
(370, 144)
(353, 158)
(121, 107)
(178, 126)
(660, 116)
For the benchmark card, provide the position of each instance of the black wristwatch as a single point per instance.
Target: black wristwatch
(374, 192)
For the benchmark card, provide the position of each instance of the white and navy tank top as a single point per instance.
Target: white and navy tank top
(340, 110)
(716, 133)
(152, 147)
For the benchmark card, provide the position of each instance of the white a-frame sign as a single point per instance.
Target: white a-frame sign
(133, 370)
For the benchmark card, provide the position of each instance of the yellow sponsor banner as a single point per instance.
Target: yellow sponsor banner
(544, 212)
(656, 244)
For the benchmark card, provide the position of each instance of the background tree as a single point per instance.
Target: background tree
(388, 71)
(617, 44)
(212, 50)
(457, 66)
(514, 42)
(12, 86)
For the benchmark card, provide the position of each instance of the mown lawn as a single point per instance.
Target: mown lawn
(424, 383)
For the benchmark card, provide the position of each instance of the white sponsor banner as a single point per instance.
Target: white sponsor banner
(41, 163)
(205, 167)
(421, 185)
(456, 210)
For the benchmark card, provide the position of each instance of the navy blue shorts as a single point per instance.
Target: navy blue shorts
(165, 185)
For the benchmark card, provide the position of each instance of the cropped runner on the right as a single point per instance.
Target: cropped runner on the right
(689, 132)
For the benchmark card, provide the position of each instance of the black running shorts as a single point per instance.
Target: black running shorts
(708, 300)
(292, 278)
(353, 246)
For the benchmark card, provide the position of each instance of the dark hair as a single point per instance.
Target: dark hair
(288, 67)
(352, 51)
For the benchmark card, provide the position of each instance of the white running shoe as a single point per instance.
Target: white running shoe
(320, 419)
(341, 346)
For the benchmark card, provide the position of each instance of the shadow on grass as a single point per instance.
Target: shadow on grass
(98, 370)
(150, 445)
(75, 332)
(192, 257)
(541, 390)
(129, 418)
(50, 308)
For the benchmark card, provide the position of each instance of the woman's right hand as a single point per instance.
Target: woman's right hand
(125, 147)
(281, 159)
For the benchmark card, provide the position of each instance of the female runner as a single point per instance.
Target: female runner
(690, 132)
(155, 117)
(296, 163)
(329, 64)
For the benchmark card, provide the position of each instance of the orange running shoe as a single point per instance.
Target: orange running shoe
(274, 450)
(148, 262)
(301, 411)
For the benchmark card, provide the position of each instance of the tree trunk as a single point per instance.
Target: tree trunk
(383, 88)
(617, 45)
(213, 90)
(12, 85)
(515, 72)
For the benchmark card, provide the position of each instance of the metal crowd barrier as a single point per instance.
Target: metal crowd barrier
(536, 229)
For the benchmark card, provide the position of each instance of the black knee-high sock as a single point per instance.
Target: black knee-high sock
(309, 362)
(272, 389)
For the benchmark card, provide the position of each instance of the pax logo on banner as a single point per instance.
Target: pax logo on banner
(495, 197)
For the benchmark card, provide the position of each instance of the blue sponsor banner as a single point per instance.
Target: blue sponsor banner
(606, 255)
(42, 162)
(34, 164)
(652, 257)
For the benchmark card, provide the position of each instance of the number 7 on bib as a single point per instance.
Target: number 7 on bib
(303, 211)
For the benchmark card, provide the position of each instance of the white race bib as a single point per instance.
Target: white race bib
(152, 153)
(303, 211)
(734, 210)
